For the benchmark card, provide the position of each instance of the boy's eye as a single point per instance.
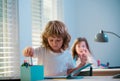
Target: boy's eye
(51, 40)
(83, 46)
(58, 40)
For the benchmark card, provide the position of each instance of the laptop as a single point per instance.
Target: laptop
(71, 75)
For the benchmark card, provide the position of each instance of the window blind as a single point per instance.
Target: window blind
(9, 47)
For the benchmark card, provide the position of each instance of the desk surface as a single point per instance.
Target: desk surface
(105, 72)
(87, 78)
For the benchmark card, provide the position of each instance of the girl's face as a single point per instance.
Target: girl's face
(81, 48)
(55, 43)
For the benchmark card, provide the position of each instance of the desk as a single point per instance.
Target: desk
(106, 72)
(87, 78)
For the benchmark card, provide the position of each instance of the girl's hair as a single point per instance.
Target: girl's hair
(56, 28)
(78, 40)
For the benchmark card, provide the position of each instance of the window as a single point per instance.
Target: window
(9, 47)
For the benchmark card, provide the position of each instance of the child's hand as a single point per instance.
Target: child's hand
(28, 52)
(83, 58)
(87, 52)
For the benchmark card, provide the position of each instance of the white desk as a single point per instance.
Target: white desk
(87, 78)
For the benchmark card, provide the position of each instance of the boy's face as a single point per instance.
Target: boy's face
(55, 43)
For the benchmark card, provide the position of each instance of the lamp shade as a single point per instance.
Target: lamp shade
(101, 37)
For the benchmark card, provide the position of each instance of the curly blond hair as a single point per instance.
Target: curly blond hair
(56, 28)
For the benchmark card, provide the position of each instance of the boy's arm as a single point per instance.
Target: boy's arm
(73, 69)
(75, 72)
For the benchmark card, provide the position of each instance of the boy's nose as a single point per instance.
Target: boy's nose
(54, 43)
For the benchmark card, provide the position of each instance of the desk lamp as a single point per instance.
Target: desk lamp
(102, 37)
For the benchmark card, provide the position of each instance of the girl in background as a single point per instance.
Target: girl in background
(81, 52)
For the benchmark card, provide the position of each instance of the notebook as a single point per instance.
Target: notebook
(71, 75)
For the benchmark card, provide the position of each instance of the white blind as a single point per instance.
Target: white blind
(42, 12)
(9, 51)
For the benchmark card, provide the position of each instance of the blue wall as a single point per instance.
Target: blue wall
(25, 31)
(85, 18)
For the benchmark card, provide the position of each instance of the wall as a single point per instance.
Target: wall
(25, 22)
(85, 18)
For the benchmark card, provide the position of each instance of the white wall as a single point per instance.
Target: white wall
(85, 18)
